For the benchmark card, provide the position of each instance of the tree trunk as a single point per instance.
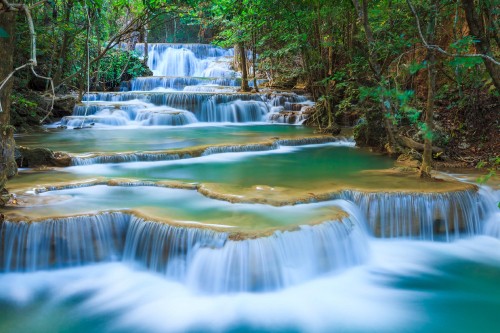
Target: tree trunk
(362, 9)
(61, 59)
(426, 167)
(146, 51)
(243, 64)
(331, 56)
(477, 29)
(8, 166)
(254, 62)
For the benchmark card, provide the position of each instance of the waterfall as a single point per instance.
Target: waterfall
(237, 111)
(165, 116)
(187, 60)
(61, 242)
(238, 149)
(166, 156)
(210, 260)
(124, 158)
(492, 198)
(192, 83)
(280, 260)
(167, 249)
(428, 216)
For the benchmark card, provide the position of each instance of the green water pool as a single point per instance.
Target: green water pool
(126, 139)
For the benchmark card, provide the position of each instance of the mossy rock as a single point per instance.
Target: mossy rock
(38, 157)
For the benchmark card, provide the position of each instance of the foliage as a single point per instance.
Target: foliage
(117, 66)
(23, 105)
(494, 165)
(353, 68)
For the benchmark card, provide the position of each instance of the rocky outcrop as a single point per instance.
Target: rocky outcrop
(39, 157)
(64, 105)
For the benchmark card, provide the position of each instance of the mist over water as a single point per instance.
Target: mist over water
(406, 286)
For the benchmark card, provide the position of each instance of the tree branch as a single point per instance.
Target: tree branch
(438, 48)
(115, 40)
(32, 61)
(7, 7)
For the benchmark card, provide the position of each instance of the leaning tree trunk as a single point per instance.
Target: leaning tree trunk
(8, 166)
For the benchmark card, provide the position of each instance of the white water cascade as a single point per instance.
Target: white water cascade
(191, 83)
(209, 261)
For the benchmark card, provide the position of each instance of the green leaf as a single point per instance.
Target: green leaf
(414, 67)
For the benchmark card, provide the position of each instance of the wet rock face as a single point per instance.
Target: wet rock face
(4, 199)
(63, 106)
(38, 157)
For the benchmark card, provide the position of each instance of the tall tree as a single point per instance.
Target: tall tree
(7, 163)
(373, 59)
(482, 33)
(426, 167)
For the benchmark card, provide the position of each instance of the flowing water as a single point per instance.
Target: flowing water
(186, 208)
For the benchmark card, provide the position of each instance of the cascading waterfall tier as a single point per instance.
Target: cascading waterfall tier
(188, 60)
(62, 242)
(183, 83)
(203, 151)
(181, 108)
(209, 260)
(428, 216)
(192, 83)
(443, 216)
(279, 260)
(492, 199)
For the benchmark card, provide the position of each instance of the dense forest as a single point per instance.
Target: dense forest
(416, 79)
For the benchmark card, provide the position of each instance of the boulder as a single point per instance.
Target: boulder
(63, 105)
(38, 157)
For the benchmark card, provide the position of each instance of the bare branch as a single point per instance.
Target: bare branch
(36, 4)
(7, 7)
(4, 82)
(438, 48)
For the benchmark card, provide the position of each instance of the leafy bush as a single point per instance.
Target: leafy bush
(119, 65)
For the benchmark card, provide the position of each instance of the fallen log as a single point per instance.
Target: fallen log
(410, 143)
